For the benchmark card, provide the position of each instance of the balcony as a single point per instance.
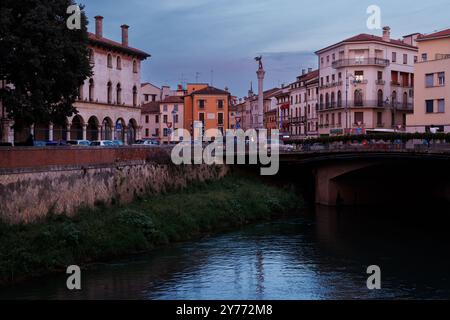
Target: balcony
(403, 106)
(380, 82)
(361, 104)
(360, 62)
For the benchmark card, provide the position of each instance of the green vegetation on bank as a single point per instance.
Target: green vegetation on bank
(104, 233)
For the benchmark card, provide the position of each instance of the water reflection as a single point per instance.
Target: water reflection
(317, 255)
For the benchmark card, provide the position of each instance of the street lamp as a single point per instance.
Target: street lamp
(347, 85)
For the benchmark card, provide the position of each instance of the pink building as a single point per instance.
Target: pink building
(366, 82)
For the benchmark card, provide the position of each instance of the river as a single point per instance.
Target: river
(323, 254)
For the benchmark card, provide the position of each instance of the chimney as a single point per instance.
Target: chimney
(124, 35)
(303, 71)
(99, 26)
(387, 34)
(309, 70)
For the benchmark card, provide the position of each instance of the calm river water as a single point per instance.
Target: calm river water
(317, 255)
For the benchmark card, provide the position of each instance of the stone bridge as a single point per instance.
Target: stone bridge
(371, 175)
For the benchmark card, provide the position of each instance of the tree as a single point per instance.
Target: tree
(42, 61)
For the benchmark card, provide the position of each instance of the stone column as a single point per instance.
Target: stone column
(84, 131)
(50, 132)
(69, 125)
(100, 133)
(260, 73)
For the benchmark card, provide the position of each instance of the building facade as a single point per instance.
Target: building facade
(432, 92)
(366, 82)
(205, 105)
(108, 103)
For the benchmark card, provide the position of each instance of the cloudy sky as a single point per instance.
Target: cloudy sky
(189, 36)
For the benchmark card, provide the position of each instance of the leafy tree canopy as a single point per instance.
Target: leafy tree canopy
(41, 59)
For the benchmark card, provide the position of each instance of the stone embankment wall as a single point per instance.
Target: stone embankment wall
(82, 178)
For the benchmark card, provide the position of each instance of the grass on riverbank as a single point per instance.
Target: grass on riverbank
(104, 233)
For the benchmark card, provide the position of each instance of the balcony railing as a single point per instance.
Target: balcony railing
(360, 62)
(366, 104)
(380, 82)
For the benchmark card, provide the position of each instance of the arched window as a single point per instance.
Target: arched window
(110, 61)
(327, 100)
(380, 98)
(119, 63)
(135, 95)
(91, 56)
(358, 98)
(135, 69)
(394, 98)
(333, 100)
(91, 90)
(118, 94)
(339, 99)
(109, 92)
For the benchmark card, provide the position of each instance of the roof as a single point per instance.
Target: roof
(211, 90)
(173, 99)
(104, 42)
(364, 37)
(148, 83)
(309, 76)
(436, 35)
(151, 107)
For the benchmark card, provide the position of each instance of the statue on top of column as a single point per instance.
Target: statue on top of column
(259, 59)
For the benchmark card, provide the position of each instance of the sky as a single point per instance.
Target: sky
(220, 38)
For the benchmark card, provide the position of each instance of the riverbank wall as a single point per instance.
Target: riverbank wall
(37, 182)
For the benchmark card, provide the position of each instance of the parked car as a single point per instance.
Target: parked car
(281, 145)
(118, 143)
(146, 143)
(102, 143)
(317, 147)
(79, 143)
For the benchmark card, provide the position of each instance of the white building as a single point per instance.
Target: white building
(366, 82)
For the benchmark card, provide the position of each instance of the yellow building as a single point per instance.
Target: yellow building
(432, 92)
(207, 105)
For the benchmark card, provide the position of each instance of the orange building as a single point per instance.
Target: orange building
(207, 105)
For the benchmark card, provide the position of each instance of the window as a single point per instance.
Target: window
(175, 108)
(340, 75)
(135, 68)
(394, 56)
(157, 132)
(166, 132)
(339, 99)
(147, 132)
(358, 98)
(165, 108)
(91, 57)
(334, 56)
(119, 63)
(339, 119)
(91, 90)
(109, 93)
(429, 106)
(201, 117)
(424, 57)
(429, 80)
(415, 59)
(146, 119)
(405, 59)
(146, 97)
(220, 119)
(441, 77)
(359, 118)
(441, 105)
(175, 118)
(380, 75)
(109, 60)
(380, 98)
(359, 76)
(157, 118)
(379, 118)
(201, 104)
(165, 118)
(118, 94)
(135, 95)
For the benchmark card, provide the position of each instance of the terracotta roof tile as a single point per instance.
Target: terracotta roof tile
(440, 34)
(173, 99)
(116, 45)
(151, 107)
(211, 90)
